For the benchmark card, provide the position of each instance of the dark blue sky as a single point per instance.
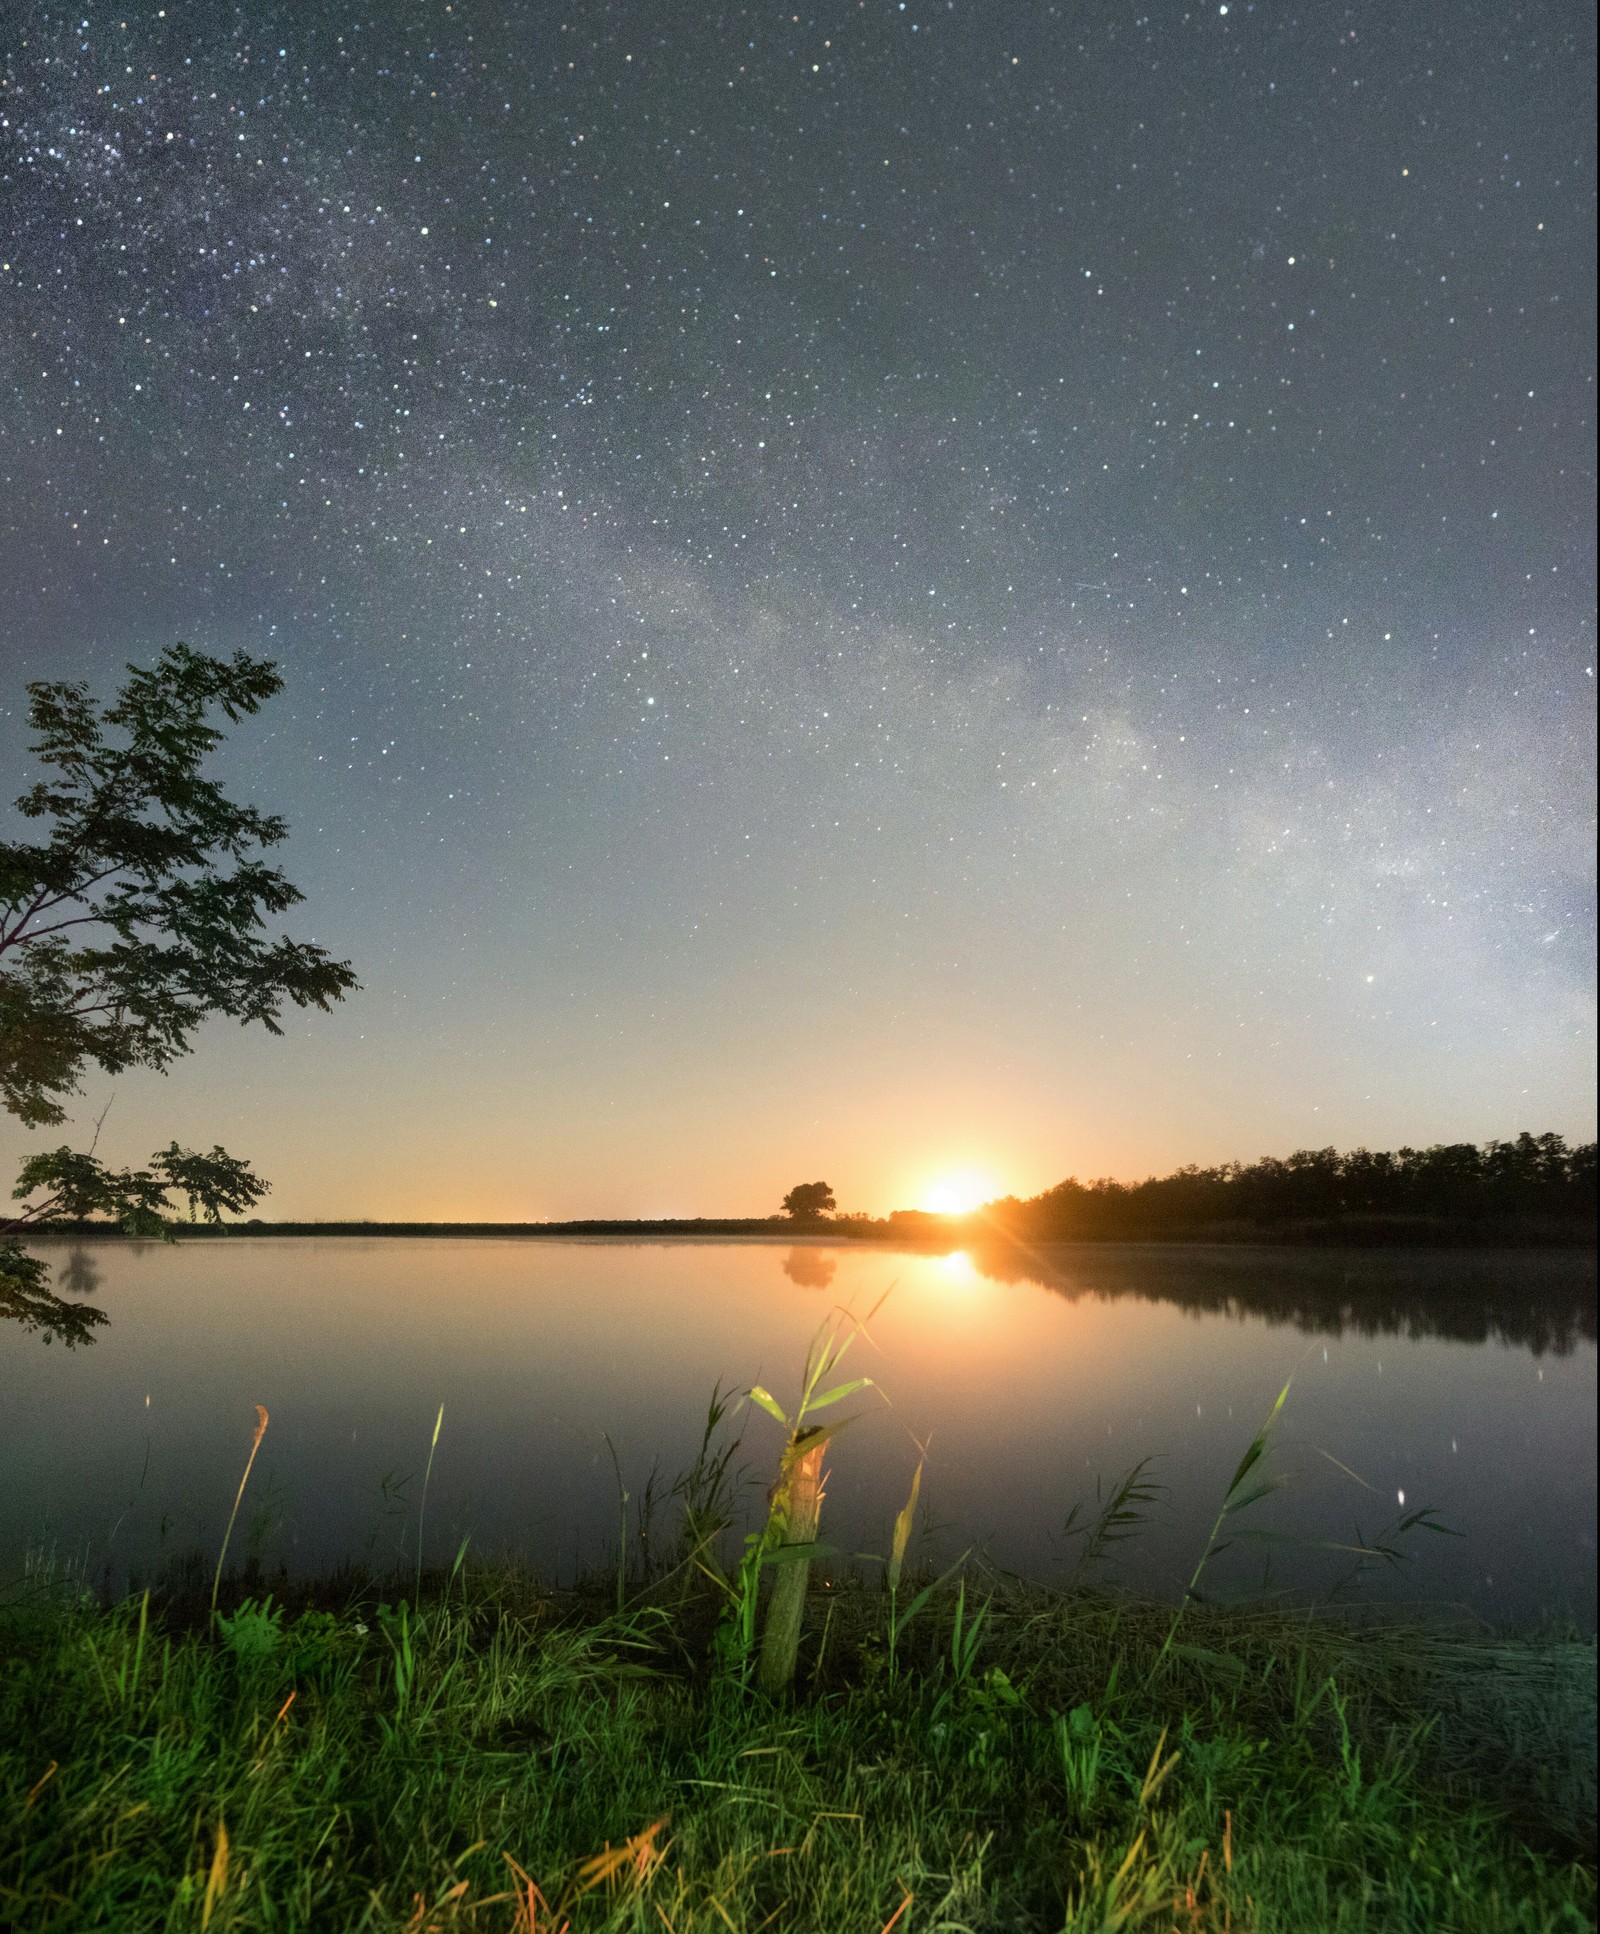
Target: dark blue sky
(862, 591)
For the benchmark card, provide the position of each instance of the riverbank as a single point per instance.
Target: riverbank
(502, 1756)
(921, 1230)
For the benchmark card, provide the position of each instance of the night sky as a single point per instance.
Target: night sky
(863, 592)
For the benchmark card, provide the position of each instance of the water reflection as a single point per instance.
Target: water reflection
(810, 1268)
(1034, 1374)
(1543, 1301)
(77, 1275)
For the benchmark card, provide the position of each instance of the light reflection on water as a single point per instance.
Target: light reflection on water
(1464, 1381)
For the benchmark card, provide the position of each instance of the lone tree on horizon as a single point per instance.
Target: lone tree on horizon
(806, 1201)
(139, 915)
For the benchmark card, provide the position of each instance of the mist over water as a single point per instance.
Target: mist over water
(1458, 1380)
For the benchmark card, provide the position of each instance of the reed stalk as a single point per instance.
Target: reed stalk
(623, 1498)
(222, 1556)
(422, 1508)
(789, 1539)
(1240, 1495)
(796, 1515)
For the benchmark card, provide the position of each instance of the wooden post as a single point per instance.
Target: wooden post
(796, 1513)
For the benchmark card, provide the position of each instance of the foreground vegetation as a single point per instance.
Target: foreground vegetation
(491, 1755)
(686, 1745)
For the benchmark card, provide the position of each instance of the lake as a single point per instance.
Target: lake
(1464, 1381)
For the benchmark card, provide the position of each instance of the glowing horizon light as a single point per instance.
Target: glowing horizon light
(959, 1193)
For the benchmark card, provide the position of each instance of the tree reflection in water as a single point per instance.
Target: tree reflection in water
(78, 1275)
(1543, 1300)
(810, 1268)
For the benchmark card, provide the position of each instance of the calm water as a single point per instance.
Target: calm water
(1463, 1381)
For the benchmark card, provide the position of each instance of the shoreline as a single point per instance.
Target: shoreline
(959, 1233)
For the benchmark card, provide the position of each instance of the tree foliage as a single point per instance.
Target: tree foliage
(144, 908)
(1457, 1182)
(808, 1200)
(141, 911)
(78, 1187)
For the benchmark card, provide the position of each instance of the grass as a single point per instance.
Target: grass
(503, 1757)
(951, 1754)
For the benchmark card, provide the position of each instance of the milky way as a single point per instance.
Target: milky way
(859, 589)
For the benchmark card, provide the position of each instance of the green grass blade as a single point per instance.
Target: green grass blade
(768, 1403)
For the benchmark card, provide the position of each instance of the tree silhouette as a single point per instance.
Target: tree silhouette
(1456, 1185)
(808, 1200)
(139, 914)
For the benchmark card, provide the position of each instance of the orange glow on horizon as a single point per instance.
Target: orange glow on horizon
(959, 1192)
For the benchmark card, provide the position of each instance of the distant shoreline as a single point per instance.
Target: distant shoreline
(910, 1230)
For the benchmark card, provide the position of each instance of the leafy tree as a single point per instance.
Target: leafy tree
(141, 912)
(1536, 1175)
(808, 1200)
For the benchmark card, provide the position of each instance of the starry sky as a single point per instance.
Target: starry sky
(863, 591)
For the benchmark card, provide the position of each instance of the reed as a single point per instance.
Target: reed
(789, 1539)
(905, 1518)
(1239, 1496)
(1118, 1517)
(894, 1573)
(422, 1503)
(238, 1499)
(623, 1501)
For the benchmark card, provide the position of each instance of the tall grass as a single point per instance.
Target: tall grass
(422, 1506)
(472, 1749)
(238, 1499)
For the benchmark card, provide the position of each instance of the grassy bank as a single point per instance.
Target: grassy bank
(501, 1757)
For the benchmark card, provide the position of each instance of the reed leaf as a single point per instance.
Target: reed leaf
(1120, 1517)
(238, 1498)
(769, 1404)
(838, 1391)
(1235, 1499)
(422, 1507)
(902, 1531)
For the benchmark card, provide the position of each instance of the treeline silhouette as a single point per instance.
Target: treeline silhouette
(1534, 1188)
